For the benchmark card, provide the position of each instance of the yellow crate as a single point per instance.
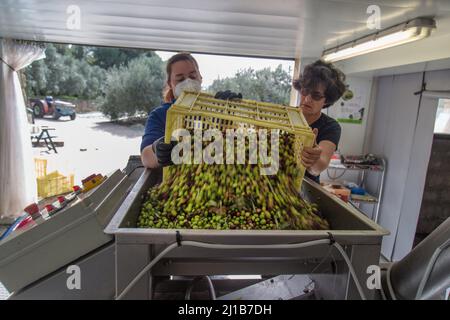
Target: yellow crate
(194, 110)
(53, 184)
(40, 167)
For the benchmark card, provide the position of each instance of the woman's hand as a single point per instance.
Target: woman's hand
(228, 95)
(163, 151)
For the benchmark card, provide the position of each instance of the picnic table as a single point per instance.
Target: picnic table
(46, 137)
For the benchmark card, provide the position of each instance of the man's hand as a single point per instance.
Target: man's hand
(228, 95)
(163, 151)
(310, 155)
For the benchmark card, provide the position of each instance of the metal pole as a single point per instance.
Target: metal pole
(380, 193)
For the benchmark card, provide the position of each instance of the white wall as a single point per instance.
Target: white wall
(352, 137)
(402, 132)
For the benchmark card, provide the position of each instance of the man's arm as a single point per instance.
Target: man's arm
(316, 159)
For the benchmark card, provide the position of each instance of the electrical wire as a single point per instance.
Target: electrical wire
(336, 272)
(336, 176)
(144, 271)
(211, 288)
(383, 295)
(231, 247)
(315, 268)
(322, 261)
(13, 226)
(212, 292)
(351, 269)
(187, 296)
(329, 254)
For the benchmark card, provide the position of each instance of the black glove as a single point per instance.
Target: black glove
(163, 151)
(228, 95)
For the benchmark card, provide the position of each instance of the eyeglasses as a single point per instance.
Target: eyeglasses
(316, 96)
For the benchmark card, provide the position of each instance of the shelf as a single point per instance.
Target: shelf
(367, 198)
(356, 167)
(364, 171)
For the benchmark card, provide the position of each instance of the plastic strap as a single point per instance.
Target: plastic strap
(178, 237)
(332, 240)
(7, 64)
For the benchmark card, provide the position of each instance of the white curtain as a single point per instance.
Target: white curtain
(17, 172)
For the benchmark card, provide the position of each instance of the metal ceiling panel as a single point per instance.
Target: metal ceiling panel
(280, 29)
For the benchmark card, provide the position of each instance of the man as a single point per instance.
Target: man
(320, 85)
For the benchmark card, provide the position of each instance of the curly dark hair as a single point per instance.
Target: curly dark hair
(321, 72)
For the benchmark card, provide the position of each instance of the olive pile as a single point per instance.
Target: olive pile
(223, 196)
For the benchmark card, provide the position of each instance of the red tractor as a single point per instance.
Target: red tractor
(54, 108)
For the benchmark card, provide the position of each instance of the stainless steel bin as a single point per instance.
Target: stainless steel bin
(135, 247)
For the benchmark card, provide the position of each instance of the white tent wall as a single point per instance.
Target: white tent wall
(17, 176)
(403, 133)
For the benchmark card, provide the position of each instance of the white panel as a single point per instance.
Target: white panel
(381, 114)
(393, 136)
(434, 65)
(352, 137)
(418, 166)
(407, 148)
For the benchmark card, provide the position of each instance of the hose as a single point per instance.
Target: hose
(230, 247)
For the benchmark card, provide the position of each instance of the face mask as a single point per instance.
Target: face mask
(187, 85)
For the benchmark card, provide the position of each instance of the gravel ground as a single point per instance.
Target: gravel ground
(92, 144)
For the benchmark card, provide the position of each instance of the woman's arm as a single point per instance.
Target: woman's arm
(154, 129)
(148, 158)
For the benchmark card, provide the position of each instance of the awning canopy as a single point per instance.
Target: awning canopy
(289, 29)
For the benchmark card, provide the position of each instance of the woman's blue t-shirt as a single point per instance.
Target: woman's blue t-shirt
(156, 125)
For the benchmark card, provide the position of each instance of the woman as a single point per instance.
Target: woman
(182, 74)
(320, 85)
